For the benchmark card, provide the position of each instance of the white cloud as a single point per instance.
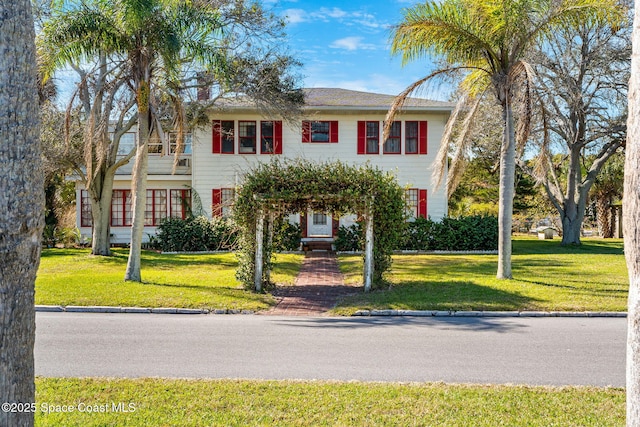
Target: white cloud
(351, 44)
(295, 16)
(335, 13)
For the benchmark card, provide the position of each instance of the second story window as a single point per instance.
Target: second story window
(173, 143)
(247, 137)
(155, 145)
(373, 137)
(320, 131)
(127, 143)
(392, 144)
(223, 137)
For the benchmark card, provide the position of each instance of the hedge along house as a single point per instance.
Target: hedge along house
(338, 124)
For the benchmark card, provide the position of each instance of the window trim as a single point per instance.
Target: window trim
(254, 137)
(276, 137)
(219, 137)
(332, 135)
(151, 201)
(183, 192)
(422, 143)
(395, 137)
(85, 209)
(126, 195)
(368, 138)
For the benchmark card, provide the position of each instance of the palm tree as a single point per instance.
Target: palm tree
(22, 211)
(487, 41)
(150, 40)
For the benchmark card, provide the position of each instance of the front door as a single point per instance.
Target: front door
(319, 224)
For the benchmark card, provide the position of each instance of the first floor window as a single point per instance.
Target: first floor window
(156, 207)
(121, 208)
(247, 137)
(392, 144)
(227, 197)
(411, 198)
(180, 203)
(373, 137)
(85, 209)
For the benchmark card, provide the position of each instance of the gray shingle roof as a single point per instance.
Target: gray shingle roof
(331, 97)
(335, 98)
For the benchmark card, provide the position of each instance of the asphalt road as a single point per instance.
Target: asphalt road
(537, 351)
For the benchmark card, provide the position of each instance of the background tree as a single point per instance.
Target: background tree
(607, 190)
(156, 48)
(582, 83)
(488, 41)
(631, 224)
(21, 207)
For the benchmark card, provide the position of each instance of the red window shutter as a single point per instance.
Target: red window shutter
(422, 203)
(303, 224)
(217, 136)
(216, 202)
(306, 131)
(362, 137)
(277, 137)
(333, 131)
(422, 137)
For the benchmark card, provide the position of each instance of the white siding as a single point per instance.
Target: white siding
(226, 170)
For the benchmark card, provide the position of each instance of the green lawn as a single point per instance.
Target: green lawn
(74, 277)
(547, 277)
(160, 402)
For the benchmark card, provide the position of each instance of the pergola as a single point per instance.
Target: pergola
(273, 189)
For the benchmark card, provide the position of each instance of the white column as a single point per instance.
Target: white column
(258, 260)
(368, 249)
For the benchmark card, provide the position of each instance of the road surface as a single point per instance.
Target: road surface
(537, 351)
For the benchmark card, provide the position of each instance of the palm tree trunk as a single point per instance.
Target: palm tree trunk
(21, 215)
(631, 224)
(507, 189)
(139, 202)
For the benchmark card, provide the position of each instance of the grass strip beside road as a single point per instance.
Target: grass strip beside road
(547, 277)
(158, 402)
(74, 277)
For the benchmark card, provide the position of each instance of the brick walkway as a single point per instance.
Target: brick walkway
(317, 288)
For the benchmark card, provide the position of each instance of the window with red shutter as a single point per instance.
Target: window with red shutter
(320, 131)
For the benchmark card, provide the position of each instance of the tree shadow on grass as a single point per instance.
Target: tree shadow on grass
(455, 296)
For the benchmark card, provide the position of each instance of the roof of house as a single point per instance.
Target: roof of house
(344, 99)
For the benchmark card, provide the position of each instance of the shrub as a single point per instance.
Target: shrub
(287, 236)
(195, 234)
(471, 233)
(349, 238)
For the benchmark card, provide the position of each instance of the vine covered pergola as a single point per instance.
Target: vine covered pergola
(272, 190)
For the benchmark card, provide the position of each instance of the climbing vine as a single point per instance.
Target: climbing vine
(293, 186)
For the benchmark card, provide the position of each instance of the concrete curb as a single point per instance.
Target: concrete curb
(434, 313)
(139, 310)
(359, 313)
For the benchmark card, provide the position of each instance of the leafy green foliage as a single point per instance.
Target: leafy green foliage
(294, 186)
(350, 238)
(287, 236)
(471, 233)
(195, 234)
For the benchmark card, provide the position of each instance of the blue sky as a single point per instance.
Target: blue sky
(345, 44)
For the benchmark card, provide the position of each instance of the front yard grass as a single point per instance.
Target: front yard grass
(163, 402)
(547, 277)
(74, 277)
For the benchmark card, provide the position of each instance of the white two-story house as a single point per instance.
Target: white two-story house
(338, 124)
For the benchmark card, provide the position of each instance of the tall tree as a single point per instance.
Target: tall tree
(582, 82)
(157, 44)
(631, 225)
(21, 208)
(488, 41)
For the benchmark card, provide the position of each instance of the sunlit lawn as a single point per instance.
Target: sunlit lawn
(547, 276)
(74, 277)
(160, 402)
